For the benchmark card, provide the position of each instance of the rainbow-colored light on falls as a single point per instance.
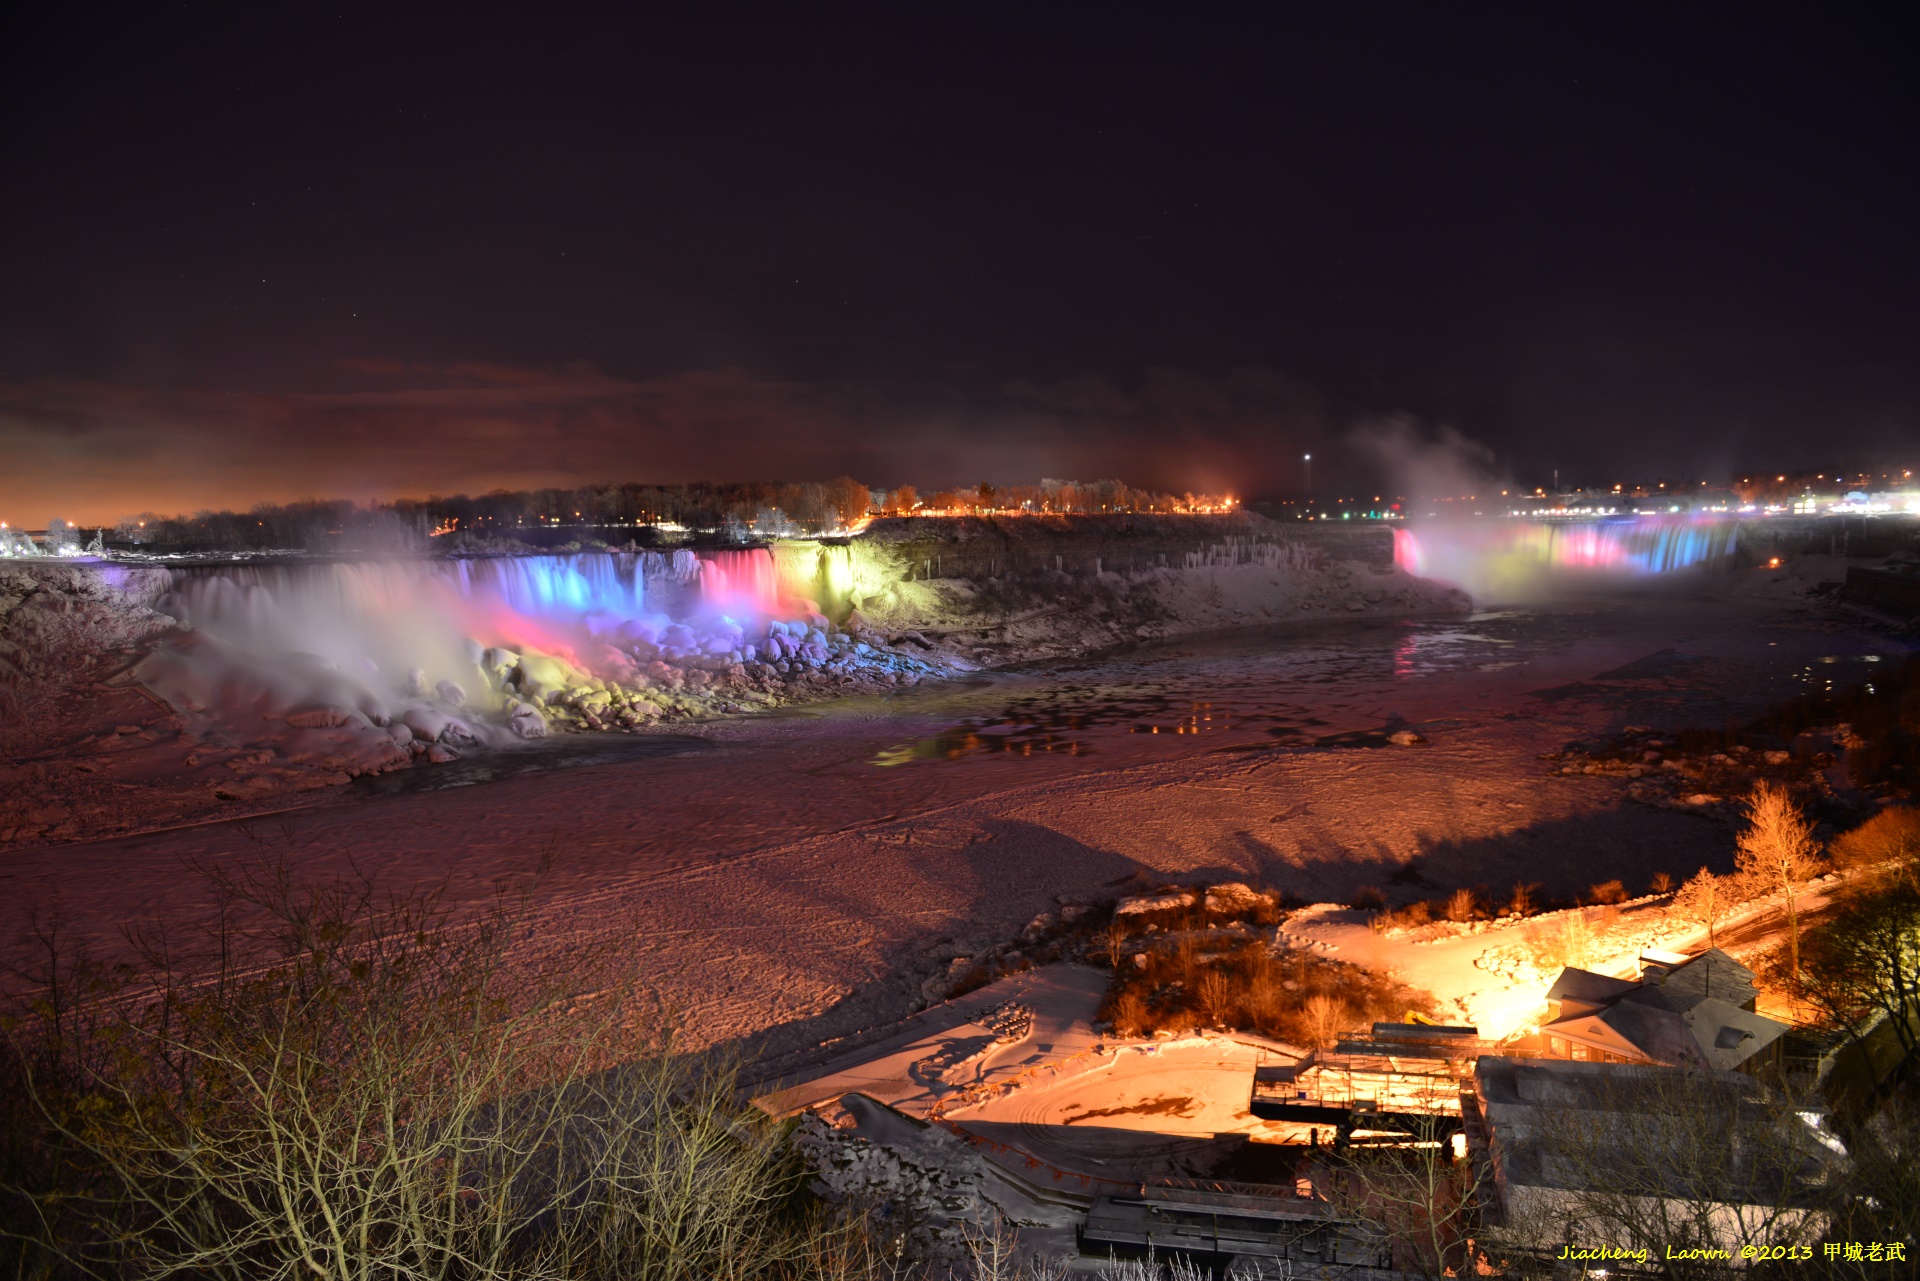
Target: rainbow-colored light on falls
(1502, 560)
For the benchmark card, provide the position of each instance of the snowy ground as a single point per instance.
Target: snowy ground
(787, 878)
(1483, 975)
(1034, 1122)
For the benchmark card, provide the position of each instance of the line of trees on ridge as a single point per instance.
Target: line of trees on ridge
(765, 507)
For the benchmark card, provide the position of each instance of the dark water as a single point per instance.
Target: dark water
(1333, 687)
(1325, 687)
(566, 751)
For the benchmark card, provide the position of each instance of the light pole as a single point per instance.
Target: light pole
(1307, 461)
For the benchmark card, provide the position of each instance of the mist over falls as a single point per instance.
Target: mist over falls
(374, 657)
(1510, 561)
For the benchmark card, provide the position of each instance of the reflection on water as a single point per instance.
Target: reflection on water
(1423, 651)
(967, 741)
(1254, 690)
(1829, 672)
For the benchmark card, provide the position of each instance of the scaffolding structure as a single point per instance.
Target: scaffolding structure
(1404, 1081)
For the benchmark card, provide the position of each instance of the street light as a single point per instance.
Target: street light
(1307, 459)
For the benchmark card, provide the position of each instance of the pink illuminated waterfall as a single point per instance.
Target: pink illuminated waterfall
(740, 581)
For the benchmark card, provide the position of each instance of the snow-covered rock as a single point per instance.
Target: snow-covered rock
(1233, 896)
(1155, 903)
(426, 724)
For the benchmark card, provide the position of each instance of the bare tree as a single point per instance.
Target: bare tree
(1890, 840)
(1608, 892)
(1216, 997)
(1865, 961)
(1882, 1187)
(338, 1084)
(1776, 853)
(1129, 1015)
(1325, 1016)
(1186, 950)
(847, 500)
(1668, 1160)
(993, 1253)
(1117, 938)
(1153, 1268)
(1264, 993)
(1701, 901)
(1566, 942)
(1420, 1193)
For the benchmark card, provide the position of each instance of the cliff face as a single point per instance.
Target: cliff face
(980, 547)
(67, 634)
(996, 590)
(60, 624)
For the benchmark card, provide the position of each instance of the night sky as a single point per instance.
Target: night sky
(256, 254)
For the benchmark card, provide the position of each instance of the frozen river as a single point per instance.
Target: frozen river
(1320, 687)
(802, 871)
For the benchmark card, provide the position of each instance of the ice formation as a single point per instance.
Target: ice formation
(62, 540)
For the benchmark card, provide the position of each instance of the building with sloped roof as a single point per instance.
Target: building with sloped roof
(1643, 1156)
(1696, 1011)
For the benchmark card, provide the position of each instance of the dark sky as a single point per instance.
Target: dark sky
(257, 253)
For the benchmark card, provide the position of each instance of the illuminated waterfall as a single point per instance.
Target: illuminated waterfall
(416, 613)
(558, 585)
(741, 583)
(475, 639)
(836, 578)
(815, 578)
(1497, 560)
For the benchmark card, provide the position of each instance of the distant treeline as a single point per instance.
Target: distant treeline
(746, 508)
(311, 525)
(1060, 497)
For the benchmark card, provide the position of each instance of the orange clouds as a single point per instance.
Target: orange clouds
(93, 451)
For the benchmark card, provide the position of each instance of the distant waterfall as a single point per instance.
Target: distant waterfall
(1501, 559)
(386, 610)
